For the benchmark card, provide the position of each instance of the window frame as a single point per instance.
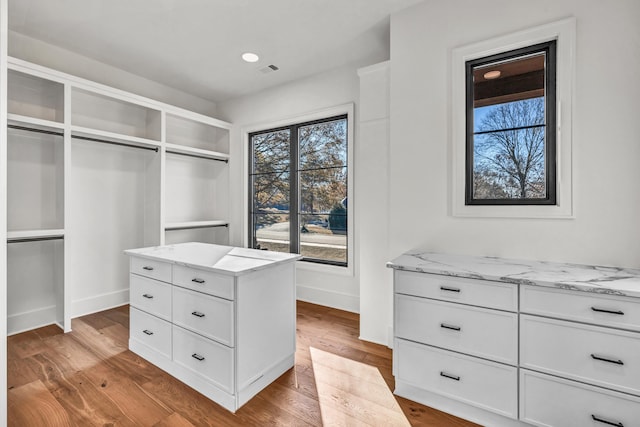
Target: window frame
(549, 49)
(319, 116)
(564, 33)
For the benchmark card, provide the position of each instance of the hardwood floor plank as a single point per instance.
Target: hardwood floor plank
(174, 420)
(33, 405)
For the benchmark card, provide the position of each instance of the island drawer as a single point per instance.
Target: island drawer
(491, 334)
(597, 355)
(483, 293)
(150, 295)
(599, 309)
(151, 331)
(150, 268)
(204, 281)
(459, 377)
(205, 358)
(550, 401)
(204, 314)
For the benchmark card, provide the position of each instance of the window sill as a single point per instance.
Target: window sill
(325, 268)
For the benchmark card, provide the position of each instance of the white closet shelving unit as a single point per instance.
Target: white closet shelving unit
(92, 171)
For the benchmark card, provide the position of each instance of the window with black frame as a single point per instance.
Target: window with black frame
(510, 126)
(298, 190)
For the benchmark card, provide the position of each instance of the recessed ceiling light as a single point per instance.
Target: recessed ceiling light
(494, 74)
(250, 57)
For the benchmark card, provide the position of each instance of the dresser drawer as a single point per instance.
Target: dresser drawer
(477, 331)
(551, 402)
(149, 268)
(477, 382)
(150, 295)
(205, 358)
(599, 309)
(596, 355)
(483, 293)
(151, 331)
(204, 281)
(204, 314)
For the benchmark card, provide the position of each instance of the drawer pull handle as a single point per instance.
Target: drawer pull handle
(148, 332)
(602, 310)
(200, 281)
(197, 357)
(453, 328)
(146, 267)
(453, 377)
(198, 314)
(603, 421)
(604, 359)
(147, 296)
(448, 289)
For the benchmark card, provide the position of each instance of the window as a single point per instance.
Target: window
(510, 144)
(298, 190)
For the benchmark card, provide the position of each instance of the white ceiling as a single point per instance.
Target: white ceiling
(195, 45)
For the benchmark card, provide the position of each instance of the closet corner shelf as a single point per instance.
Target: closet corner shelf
(27, 235)
(32, 122)
(194, 224)
(196, 152)
(104, 136)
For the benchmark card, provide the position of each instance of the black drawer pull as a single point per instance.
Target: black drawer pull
(197, 357)
(603, 310)
(147, 296)
(604, 359)
(453, 377)
(146, 267)
(198, 314)
(453, 328)
(148, 332)
(603, 421)
(201, 281)
(448, 289)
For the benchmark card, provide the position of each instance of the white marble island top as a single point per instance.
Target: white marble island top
(596, 279)
(227, 260)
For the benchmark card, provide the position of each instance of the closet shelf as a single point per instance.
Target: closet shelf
(195, 224)
(35, 123)
(112, 137)
(196, 152)
(26, 235)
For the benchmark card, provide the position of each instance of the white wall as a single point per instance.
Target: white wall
(47, 55)
(283, 102)
(606, 151)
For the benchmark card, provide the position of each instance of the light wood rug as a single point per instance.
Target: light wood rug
(353, 393)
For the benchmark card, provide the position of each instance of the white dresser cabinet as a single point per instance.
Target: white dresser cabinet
(220, 319)
(517, 343)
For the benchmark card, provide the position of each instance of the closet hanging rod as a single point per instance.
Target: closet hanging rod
(197, 156)
(30, 129)
(105, 141)
(190, 227)
(34, 239)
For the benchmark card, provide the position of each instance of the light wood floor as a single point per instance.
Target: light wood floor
(88, 378)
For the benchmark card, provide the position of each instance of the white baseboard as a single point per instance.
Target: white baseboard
(328, 298)
(100, 302)
(28, 320)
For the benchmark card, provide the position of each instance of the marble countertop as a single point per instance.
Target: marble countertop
(596, 279)
(217, 258)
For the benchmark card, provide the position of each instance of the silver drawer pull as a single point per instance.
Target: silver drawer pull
(453, 377)
(606, 359)
(200, 281)
(603, 310)
(449, 289)
(146, 267)
(198, 314)
(147, 296)
(452, 327)
(197, 357)
(148, 332)
(607, 422)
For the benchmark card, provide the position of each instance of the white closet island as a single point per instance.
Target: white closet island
(220, 319)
